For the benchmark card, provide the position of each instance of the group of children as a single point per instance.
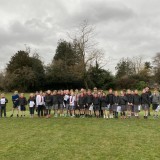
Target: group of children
(86, 103)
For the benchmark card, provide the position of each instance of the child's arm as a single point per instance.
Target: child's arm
(6, 100)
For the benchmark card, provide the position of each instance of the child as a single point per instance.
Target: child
(77, 109)
(40, 103)
(48, 103)
(31, 103)
(104, 106)
(155, 99)
(15, 101)
(110, 102)
(72, 103)
(55, 103)
(115, 103)
(89, 101)
(136, 103)
(145, 101)
(3, 102)
(96, 105)
(61, 102)
(122, 104)
(81, 104)
(22, 103)
(129, 103)
(66, 104)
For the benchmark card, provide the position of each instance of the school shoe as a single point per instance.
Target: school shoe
(11, 115)
(17, 115)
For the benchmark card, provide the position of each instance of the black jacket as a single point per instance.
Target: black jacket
(103, 100)
(116, 100)
(22, 101)
(145, 99)
(122, 100)
(110, 99)
(136, 99)
(129, 98)
(96, 101)
(60, 99)
(89, 99)
(55, 99)
(82, 100)
(48, 99)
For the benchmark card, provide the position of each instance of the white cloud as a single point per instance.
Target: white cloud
(123, 27)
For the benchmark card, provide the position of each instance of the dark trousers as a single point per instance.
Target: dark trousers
(31, 110)
(40, 110)
(115, 114)
(3, 111)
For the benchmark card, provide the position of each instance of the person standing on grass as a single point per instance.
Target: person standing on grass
(3, 102)
(72, 103)
(104, 107)
(48, 103)
(15, 100)
(82, 104)
(55, 103)
(129, 103)
(110, 102)
(40, 104)
(89, 101)
(96, 105)
(76, 103)
(145, 102)
(66, 103)
(122, 104)
(155, 100)
(136, 103)
(115, 104)
(22, 103)
(150, 94)
(61, 102)
(32, 103)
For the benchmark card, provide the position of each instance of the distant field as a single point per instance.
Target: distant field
(78, 139)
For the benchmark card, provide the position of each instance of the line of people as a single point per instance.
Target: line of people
(87, 103)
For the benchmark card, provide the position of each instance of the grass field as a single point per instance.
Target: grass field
(78, 139)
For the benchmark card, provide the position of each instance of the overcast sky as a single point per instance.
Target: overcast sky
(124, 28)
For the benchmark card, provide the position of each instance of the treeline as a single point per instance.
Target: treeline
(76, 64)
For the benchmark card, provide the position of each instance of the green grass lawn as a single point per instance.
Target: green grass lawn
(79, 139)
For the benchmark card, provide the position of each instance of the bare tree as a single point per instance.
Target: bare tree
(86, 47)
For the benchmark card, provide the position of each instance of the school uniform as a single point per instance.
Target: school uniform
(3, 102)
(115, 103)
(96, 103)
(22, 103)
(55, 102)
(40, 104)
(110, 101)
(136, 102)
(155, 99)
(48, 99)
(81, 102)
(103, 101)
(15, 101)
(31, 103)
(72, 102)
(61, 101)
(76, 102)
(66, 101)
(89, 101)
(145, 101)
(123, 103)
(129, 101)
